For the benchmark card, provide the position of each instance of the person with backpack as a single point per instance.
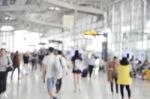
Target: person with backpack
(62, 64)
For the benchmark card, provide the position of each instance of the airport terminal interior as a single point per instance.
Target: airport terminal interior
(103, 32)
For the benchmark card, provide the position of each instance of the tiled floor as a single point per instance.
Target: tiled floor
(31, 87)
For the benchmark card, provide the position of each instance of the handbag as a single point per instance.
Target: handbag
(131, 74)
(10, 68)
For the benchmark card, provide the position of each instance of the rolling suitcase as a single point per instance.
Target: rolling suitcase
(85, 73)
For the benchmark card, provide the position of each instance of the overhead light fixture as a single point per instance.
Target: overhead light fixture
(54, 8)
(57, 9)
(9, 18)
(7, 28)
(12, 18)
(51, 8)
(6, 18)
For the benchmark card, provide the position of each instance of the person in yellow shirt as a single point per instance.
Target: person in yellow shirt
(124, 77)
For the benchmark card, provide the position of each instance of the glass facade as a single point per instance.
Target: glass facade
(129, 29)
(127, 23)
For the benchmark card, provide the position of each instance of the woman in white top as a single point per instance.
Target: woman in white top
(76, 60)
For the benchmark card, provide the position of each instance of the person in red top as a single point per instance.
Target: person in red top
(112, 73)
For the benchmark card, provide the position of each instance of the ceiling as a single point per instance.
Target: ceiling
(45, 15)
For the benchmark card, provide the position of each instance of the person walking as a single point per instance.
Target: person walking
(91, 65)
(62, 64)
(51, 71)
(77, 61)
(26, 62)
(34, 61)
(16, 64)
(124, 77)
(112, 73)
(5, 61)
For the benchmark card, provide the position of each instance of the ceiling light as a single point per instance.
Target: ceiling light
(51, 8)
(6, 18)
(57, 9)
(54, 8)
(11, 18)
(7, 28)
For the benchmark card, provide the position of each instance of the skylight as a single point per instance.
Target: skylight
(7, 28)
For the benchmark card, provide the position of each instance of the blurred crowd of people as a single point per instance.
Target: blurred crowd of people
(139, 68)
(121, 72)
(54, 64)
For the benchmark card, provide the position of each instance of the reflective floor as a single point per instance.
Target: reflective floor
(31, 87)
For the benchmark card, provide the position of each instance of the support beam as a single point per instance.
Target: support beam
(32, 19)
(18, 8)
(75, 7)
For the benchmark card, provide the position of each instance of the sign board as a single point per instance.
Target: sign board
(68, 21)
(41, 43)
(4, 43)
(55, 41)
(91, 32)
(104, 51)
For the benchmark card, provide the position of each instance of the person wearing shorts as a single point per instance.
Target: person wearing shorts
(76, 61)
(50, 72)
(51, 83)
